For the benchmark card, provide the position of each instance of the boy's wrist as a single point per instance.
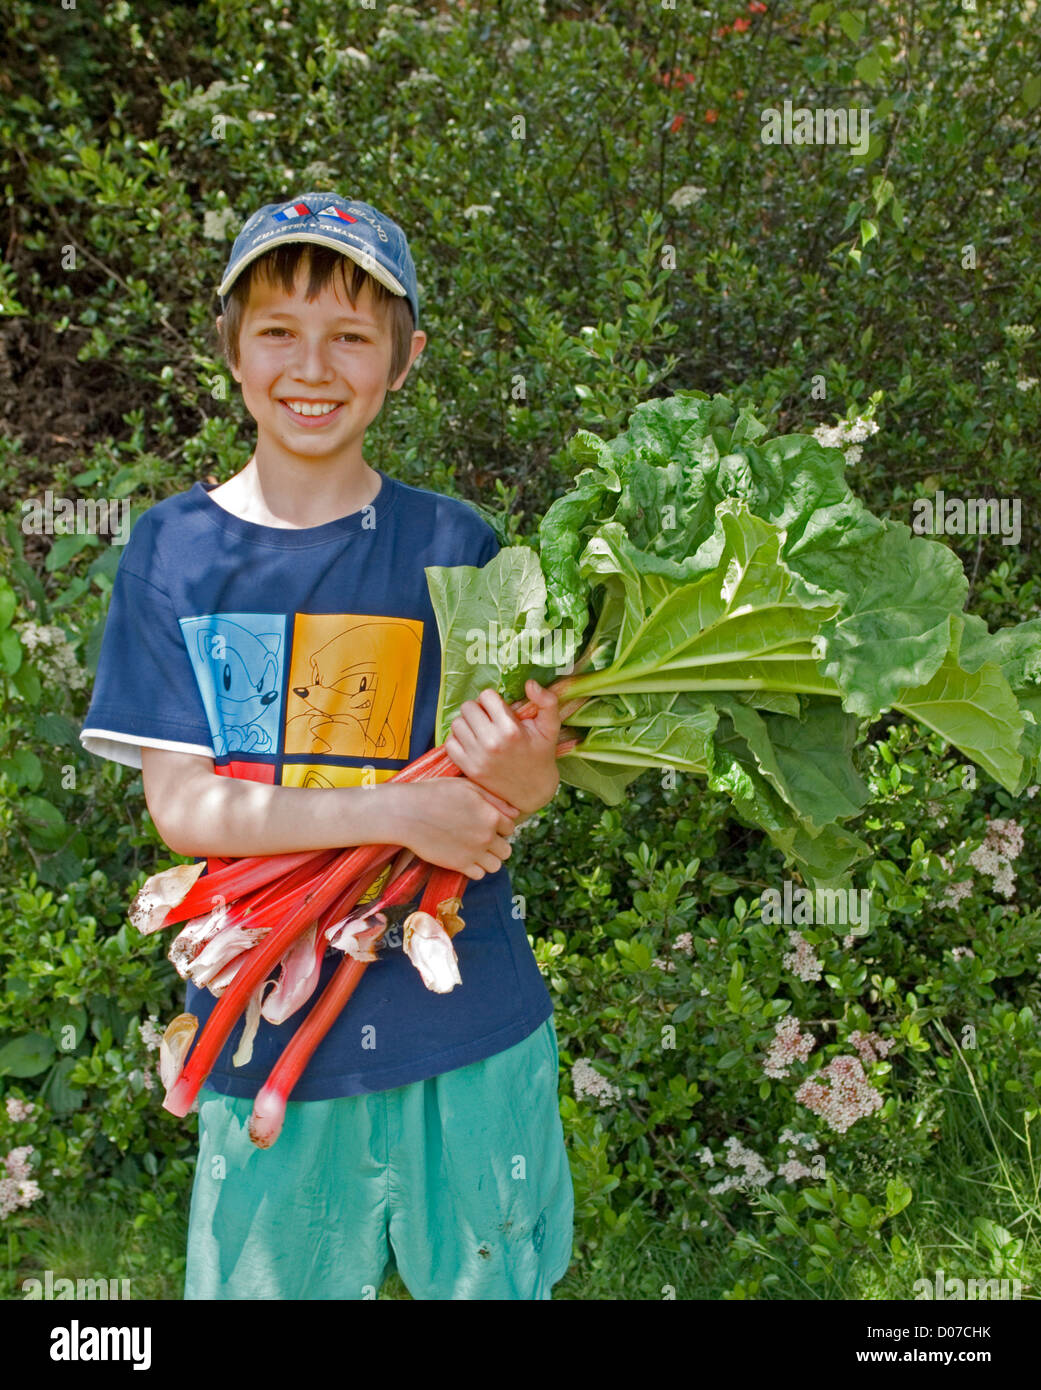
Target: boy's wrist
(545, 795)
(372, 814)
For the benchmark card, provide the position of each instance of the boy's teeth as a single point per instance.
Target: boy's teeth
(312, 407)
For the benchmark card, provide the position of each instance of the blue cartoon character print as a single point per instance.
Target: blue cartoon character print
(238, 663)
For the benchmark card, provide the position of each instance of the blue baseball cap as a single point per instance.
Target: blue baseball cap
(356, 229)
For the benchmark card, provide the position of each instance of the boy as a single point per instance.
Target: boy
(273, 637)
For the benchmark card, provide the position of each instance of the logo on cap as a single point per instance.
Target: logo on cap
(338, 213)
(287, 214)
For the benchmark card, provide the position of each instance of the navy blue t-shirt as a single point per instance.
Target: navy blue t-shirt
(311, 658)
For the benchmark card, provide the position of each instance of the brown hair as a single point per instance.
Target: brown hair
(280, 265)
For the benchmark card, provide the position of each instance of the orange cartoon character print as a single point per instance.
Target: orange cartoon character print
(352, 685)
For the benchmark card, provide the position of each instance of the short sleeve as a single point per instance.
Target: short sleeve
(489, 547)
(145, 693)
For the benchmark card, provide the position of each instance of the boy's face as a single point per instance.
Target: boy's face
(325, 353)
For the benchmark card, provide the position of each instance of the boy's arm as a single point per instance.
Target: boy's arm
(446, 821)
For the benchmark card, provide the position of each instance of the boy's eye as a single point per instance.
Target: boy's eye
(265, 331)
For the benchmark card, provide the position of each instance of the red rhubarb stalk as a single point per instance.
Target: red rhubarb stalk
(269, 1108)
(226, 885)
(348, 866)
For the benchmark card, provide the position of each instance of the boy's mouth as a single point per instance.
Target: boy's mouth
(311, 413)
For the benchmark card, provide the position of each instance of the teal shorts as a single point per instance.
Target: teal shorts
(461, 1182)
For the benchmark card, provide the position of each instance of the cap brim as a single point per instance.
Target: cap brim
(377, 271)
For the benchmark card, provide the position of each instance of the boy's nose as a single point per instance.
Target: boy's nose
(310, 361)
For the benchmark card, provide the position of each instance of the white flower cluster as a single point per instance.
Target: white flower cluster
(355, 55)
(1003, 843)
(476, 208)
(792, 1136)
(994, 857)
(18, 1189)
(419, 78)
(963, 952)
(587, 1081)
(685, 943)
(802, 962)
(210, 99)
(1026, 382)
(850, 432)
(794, 1168)
(217, 222)
(870, 1046)
(49, 649)
(847, 1098)
(788, 1045)
(149, 1033)
(687, 196)
(1019, 332)
(756, 1173)
(19, 1109)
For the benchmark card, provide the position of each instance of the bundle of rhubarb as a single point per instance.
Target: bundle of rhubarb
(283, 911)
(737, 614)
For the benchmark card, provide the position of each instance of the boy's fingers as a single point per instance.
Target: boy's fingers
(498, 711)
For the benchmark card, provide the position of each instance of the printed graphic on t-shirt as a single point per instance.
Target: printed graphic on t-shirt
(352, 685)
(238, 662)
(351, 688)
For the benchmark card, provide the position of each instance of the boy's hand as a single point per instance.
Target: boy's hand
(451, 822)
(515, 759)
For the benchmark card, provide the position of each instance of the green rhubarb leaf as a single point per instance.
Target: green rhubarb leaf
(606, 780)
(898, 594)
(824, 858)
(748, 619)
(772, 702)
(477, 612)
(664, 738)
(1016, 649)
(975, 711)
(808, 761)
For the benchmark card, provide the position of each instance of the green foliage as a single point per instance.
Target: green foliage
(641, 239)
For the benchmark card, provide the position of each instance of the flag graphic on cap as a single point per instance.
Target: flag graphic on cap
(287, 214)
(336, 212)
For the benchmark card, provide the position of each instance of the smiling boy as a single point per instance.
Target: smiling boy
(272, 637)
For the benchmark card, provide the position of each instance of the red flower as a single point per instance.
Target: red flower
(677, 121)
(739, 95)
(757, 6)
(740, 25)
(711, 116)
(723, 29)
